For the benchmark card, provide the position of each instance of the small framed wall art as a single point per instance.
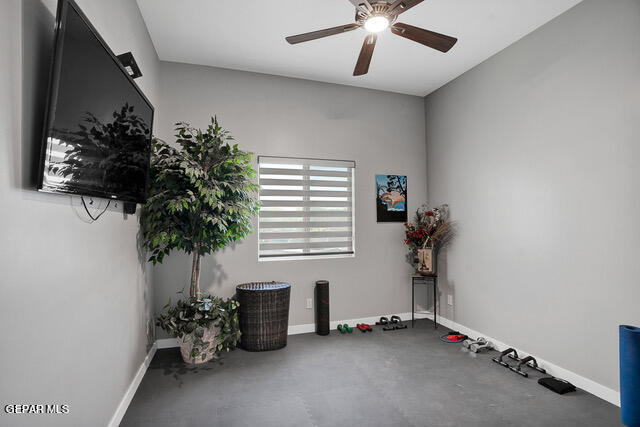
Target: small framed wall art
(391, 198)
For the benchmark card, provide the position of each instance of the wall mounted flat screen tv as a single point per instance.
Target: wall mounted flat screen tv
(97, 133)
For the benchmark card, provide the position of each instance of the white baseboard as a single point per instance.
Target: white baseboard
(133, 387)
(167, 343)
(311, 327)
(579, 381)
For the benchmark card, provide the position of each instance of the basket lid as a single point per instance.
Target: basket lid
(262, 286)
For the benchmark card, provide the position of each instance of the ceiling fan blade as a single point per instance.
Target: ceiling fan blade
(362, 66)
(321, 33)
(401, 6)
(428, 38)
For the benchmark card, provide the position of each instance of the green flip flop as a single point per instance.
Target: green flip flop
(347, 328)
(342, 328)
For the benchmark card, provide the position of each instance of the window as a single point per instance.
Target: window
(306, 208)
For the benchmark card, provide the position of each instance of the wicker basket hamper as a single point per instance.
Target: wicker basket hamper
(264, 315)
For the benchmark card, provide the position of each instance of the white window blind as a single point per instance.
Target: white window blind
(306, 208)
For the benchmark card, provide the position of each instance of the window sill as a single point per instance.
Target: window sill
(306, 258)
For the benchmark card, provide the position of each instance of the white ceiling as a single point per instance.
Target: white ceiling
(249, 35)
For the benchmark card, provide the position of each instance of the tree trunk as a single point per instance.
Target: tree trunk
(194, 290)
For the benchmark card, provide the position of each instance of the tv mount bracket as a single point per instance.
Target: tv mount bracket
(129, 63)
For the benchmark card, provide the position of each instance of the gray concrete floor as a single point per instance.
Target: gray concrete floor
(399, 378)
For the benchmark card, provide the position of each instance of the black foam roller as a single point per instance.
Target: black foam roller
(322, 307)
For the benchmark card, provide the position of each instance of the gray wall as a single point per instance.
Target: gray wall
(382, 132)
(537, 152)
(75, 299)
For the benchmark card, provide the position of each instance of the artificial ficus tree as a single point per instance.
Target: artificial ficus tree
(201, 195)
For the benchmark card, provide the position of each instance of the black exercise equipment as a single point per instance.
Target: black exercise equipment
(397, 323)
(557, 385)
(322, 307)
(511, 352)
(383, 321)
(528, 361)
(386, 325)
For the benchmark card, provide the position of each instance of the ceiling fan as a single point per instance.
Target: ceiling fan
(376, 16)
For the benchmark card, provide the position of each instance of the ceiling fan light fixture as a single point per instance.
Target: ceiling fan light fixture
(376, 16)
(376, 23)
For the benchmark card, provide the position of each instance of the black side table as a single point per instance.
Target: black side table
(424, 280)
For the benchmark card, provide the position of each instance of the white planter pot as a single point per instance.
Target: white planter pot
(203, 340)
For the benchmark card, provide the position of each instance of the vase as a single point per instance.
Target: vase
(426, 261)
(199, 346)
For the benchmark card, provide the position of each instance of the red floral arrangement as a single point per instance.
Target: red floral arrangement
(416, 236)
(431, 228)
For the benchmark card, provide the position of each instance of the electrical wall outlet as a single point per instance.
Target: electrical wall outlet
(449, 299)
(309, 302)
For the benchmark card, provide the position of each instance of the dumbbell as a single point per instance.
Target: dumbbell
(476, 347)
(469, 342)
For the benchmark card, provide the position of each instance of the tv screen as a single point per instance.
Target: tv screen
(97, 137)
